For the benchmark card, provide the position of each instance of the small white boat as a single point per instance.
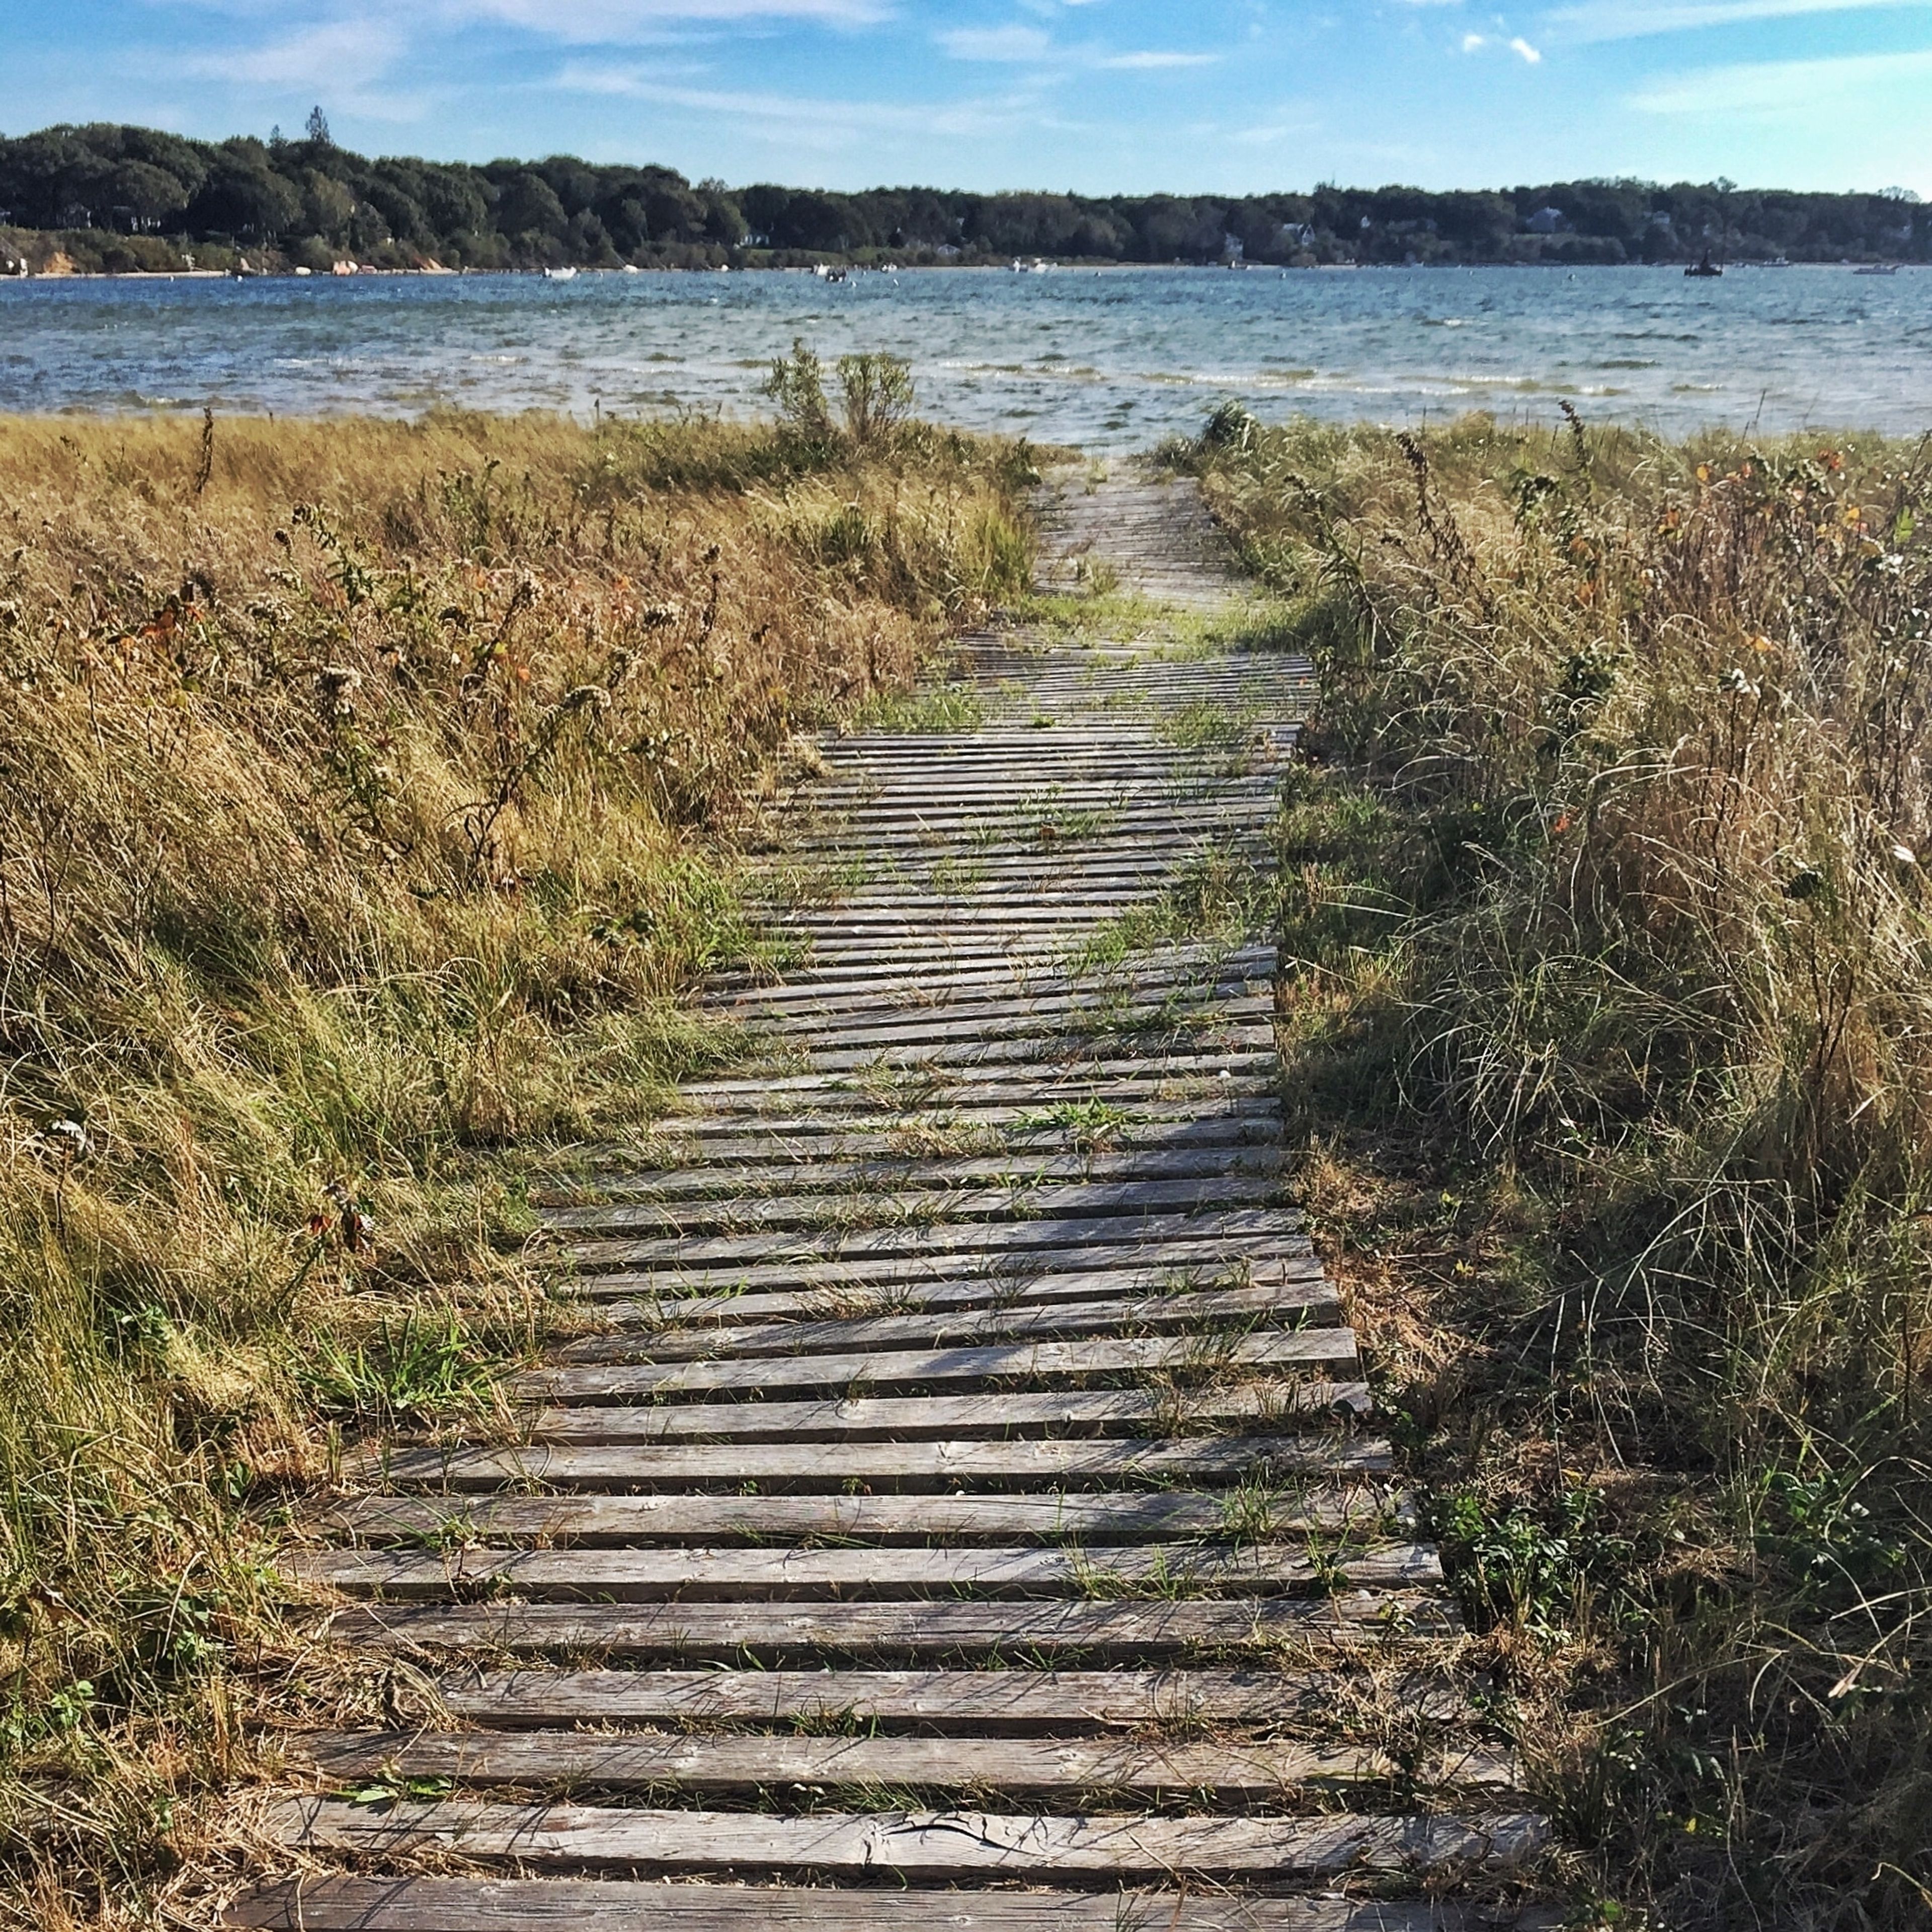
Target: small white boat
(559, 274)
(1877, 268)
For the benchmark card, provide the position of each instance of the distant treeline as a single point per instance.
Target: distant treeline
(122, 199)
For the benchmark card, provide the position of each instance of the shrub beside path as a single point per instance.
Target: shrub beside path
(969, 1510)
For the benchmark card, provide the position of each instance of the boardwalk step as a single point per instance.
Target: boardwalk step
(1265, 1772)
(916, 1844)
(1100, 1516)
(700, 1575)
(1008, 1703)
(839, 1466)
(1184, 1308)
(917, 1418)
(1307, 1348)
(1015, 1627)
(337, 1904)
(946, 1237)
(1300, 1283)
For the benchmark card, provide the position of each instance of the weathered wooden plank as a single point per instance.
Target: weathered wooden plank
(1003, 1702)
(1196, 1151)
(1221, 1260)
(1012, 1626)
(1120, 825)
(1182, 1308)
(332, 1904)
(915, 1418)
(1159, 966)
(1178, 1086)
(759, 1089)
(937, 1153)
(916, 1844)
(730, 1575)
(1187, 1355)
(949, 1238)
(820, 1466)
(937, 802)
(1298, 1283)
(1020, 865)
(1140, 1090)
(935, 799)
(1098, 1515)
(908, 916)
(748, 1214)
(976, 1053)
(1021, 1121)
(1193, 819)
(1063, 1768)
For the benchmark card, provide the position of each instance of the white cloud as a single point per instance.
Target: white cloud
(1014, 43)
(1522, 49)
(801, 120)
(1147, 62)
(1271, 133)
(588, 22)
(1778, 90)
(1021, 45)
(1470, 42)
(343, 54)
(1633, 19)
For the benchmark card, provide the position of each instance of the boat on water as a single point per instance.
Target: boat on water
(1877, 268)
(1704, 268)
(559, 274)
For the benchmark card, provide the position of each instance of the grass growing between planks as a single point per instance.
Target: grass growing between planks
(1609, 1024)
(370, 793)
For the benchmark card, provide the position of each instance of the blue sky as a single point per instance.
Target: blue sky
(1097, 95)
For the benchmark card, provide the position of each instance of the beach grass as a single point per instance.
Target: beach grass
(372, 790)
(1609, 1043)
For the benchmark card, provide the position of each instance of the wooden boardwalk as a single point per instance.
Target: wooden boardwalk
(970, 1512)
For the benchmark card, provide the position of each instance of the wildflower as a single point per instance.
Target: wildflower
(357, 1230)
(1761, 644)
(1735, 682)
(586, 697)
(338, 684)
(68, 1142)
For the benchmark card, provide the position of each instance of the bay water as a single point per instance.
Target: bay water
(1106, 360)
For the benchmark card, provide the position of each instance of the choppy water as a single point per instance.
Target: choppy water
(1107, 361)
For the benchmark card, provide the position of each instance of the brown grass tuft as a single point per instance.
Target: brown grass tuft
(1614, 1002)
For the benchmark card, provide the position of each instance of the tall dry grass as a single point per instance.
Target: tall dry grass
(370, 792)
(1613, 909)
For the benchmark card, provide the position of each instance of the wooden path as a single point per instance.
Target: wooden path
(970, 1512)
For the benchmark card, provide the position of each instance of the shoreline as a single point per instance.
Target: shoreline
(949, 268)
